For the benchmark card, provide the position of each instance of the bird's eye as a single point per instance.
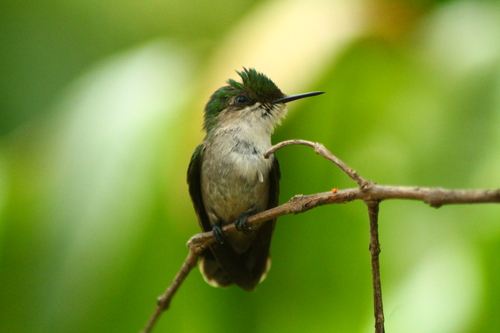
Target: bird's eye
(241, 100)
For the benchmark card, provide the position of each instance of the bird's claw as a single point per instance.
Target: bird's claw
(241, 224)
(219, 235)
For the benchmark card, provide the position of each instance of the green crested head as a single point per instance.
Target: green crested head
(255, 87)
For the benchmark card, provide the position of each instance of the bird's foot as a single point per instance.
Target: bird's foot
(219, 235)
(241, 224)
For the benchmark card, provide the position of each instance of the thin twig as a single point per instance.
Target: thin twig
(320, 149)
(378, 308)
(368, 191)
(164, 300)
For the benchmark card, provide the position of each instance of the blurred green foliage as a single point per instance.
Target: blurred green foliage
(100, 109)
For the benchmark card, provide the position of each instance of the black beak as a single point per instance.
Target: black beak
(299, 96)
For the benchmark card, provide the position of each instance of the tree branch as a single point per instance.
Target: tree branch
(164, 300)
(378, 308)
(321, 150)
(371, 193)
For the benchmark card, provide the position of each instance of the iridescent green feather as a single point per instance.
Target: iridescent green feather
(258, 86)
(218, 102)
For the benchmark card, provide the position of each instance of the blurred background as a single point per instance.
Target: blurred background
(101, 106)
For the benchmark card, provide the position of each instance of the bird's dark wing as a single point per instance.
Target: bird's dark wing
(274, 188)
(194, 182)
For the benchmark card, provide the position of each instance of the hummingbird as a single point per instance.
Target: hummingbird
(229, 179)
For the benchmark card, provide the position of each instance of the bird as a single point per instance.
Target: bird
(229, 178)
